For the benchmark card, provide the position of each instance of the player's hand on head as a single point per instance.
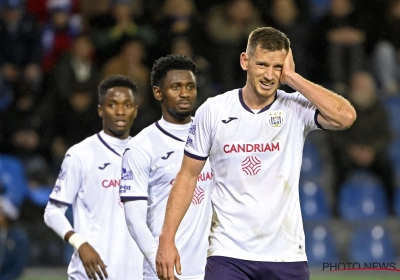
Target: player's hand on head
(167, 258)
(288, 67)
(92, 262)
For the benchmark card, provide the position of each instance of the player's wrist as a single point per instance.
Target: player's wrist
(76, 240)
(167, 238)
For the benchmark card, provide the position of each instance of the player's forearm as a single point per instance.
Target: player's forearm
(54, 217)
(336, 109)
(135, 217)
(178, 202)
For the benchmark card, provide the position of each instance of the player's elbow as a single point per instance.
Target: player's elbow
(348, 119)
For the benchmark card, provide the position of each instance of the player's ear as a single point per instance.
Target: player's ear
(244, 61)
(157, 93)
(100, 110)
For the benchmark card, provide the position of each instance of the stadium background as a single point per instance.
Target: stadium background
(73, 44)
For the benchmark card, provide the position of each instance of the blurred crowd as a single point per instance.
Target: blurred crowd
(53, 53)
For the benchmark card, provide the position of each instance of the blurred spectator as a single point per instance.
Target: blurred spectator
(338, 43)
(387, 52)
(228, 27)
(76, 66)
(74, 121)
(14, 243)
(285, 16)
(205, 89)
(179, 18)
(25, 127)
(365, 144)
(59, 32)
(111, 31)
(20, 49)
(130, 62)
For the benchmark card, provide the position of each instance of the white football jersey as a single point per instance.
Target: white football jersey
(89, 180)
(256, 160)
(150, 164)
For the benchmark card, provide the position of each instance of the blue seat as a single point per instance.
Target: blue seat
(394, 153)
(320, 246)
(372, 244)
(13, 179)
(311, 167)
(397, 202)
(313, 202)
(362, 198)
(392, 104)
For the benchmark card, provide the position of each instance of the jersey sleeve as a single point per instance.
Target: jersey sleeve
(68, 181)
(135, 174)
(199, 141)
(306, 112)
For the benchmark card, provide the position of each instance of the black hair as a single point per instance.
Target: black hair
(170, 62)
(115, 81)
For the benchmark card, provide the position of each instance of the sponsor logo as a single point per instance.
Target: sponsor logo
(251, 165)
(126, 174)
(205, 176)
(104, 166)
(57, 189)
(251, 148)
(167, 156)
(276, 119)
(189, 141)
(198, 195)
(123, 189)
(192, 129)
(62, 174)
(110, 183)
(229, 120)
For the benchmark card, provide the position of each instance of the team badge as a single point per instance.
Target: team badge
(275, 119)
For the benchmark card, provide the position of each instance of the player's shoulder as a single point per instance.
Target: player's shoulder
(84, 146)
(223, 97)
(289, 96)
(144, 136)
(220, 101)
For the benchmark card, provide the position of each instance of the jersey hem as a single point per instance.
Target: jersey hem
(250, 257)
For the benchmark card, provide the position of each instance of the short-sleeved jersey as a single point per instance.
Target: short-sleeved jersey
(89, 180)
(150, 164)
(256, 160)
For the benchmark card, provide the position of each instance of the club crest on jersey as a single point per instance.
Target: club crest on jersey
(126, 174)
(275, 119)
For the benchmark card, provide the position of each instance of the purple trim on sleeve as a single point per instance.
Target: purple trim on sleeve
(61, 202)
(105, 144)
(194, 156)
(316, 120)
(132, 198)
(167, 133)
(248, 109)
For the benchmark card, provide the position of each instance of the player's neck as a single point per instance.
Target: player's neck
(254, 100)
